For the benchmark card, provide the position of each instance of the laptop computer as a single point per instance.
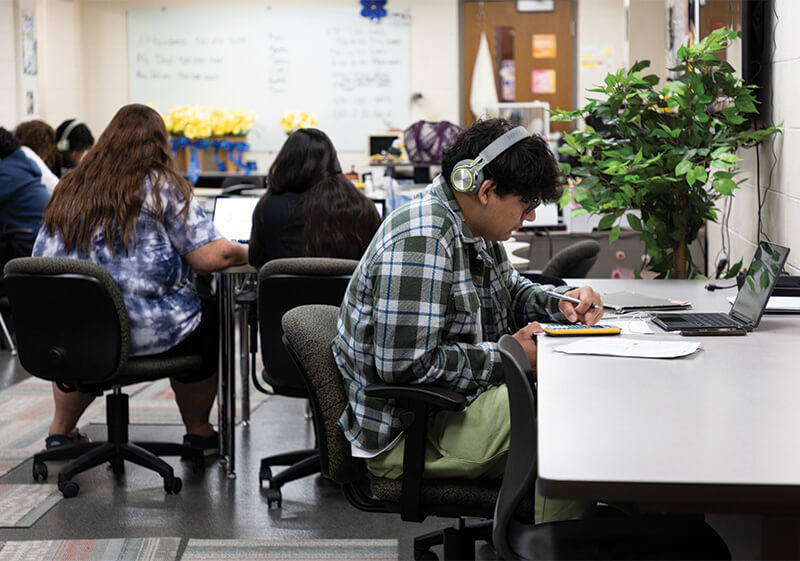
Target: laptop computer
(380, 206)
(747, 309)
(233, 217)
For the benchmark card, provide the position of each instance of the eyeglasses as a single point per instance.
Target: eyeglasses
(532, 206)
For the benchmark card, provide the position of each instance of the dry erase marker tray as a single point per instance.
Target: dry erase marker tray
(566, 330)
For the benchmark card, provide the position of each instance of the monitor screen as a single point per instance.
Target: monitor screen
(546, 215)
(233, 216)
(380, 206)
(759, 281)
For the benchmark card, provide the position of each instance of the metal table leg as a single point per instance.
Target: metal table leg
(227, 371)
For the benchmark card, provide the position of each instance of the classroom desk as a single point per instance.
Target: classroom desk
(717, 431)
(227, 282)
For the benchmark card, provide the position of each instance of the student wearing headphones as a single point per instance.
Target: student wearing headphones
(74, 139)
(432, 295)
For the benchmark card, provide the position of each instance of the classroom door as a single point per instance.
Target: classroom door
(535, 47)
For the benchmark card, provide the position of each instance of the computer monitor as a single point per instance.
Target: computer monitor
(380, 206)
(547, 215)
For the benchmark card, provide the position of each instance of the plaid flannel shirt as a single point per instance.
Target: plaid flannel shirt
(426, 305)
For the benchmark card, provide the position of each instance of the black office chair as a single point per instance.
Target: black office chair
(14, 242)
(284, 284)
(308, 332)
(574, 261)
(72, 328)
(651, 536)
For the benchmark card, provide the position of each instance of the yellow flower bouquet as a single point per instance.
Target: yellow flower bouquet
(293, 120)
(197, 128)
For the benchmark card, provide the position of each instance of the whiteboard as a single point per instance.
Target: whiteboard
(350, 73)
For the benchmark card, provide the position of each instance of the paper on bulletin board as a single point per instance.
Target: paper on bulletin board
(544, 45)
(543, 81)
(597, 56)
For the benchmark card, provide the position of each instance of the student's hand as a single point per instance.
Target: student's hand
(527, 338)
(582, 312)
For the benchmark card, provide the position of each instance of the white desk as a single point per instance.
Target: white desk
(716, 431)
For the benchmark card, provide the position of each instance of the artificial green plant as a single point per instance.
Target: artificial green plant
(667, 152)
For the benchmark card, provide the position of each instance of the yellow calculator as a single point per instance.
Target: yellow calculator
(580, 329)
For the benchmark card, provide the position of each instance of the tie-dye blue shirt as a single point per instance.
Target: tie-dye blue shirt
(154, 277)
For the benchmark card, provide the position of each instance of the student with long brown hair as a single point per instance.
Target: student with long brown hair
(127, 208)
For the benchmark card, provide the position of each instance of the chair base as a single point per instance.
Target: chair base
(302, 463)
(116, 451)
(458, 542)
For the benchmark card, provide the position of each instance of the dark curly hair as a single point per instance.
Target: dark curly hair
(526, 169)
(39, 137)
(8, 143)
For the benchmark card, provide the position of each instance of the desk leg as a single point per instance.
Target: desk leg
(227, 373)
(244, 363)
(780, 537)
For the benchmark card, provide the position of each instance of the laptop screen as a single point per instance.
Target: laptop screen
(380, 206)
(759, 281)
(233, 216)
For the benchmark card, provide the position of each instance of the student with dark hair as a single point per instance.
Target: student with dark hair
(126, 207)
(38, 141)
(432, 295)
(310, 209)
(23, 197)
(73, 139)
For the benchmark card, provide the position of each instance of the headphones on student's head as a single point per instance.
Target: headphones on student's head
(63, 143)
(467, 175)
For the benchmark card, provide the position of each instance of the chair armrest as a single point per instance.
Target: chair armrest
(439, 398)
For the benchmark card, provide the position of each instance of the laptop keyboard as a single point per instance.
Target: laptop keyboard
(709, 320)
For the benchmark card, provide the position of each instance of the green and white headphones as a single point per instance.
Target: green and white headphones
(467, 175)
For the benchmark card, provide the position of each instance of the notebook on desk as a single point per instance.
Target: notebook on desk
(747, 309)
(233, 217)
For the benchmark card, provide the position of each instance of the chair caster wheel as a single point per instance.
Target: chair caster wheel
(274, 496)
(173, 485)
(69, 489)
(425, 555)
(39, 471)
(117, 466)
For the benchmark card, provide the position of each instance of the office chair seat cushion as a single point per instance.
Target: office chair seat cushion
(146, 369)
(474, 497)
(573, 261)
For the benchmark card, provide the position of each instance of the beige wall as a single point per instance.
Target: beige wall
(8, 68)
(647, 24)
(781, 211)
(601, 37)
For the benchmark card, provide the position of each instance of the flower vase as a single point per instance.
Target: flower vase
(228, 150)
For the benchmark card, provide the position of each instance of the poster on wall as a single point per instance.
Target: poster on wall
(543, 82)
(544, 45)
(29, 59)
(30, 103)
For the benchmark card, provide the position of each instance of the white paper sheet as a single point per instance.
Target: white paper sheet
(636, 348)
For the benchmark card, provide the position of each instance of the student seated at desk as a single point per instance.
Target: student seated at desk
(22, 195)
(73, 140)
(38, 141)
(431, 297)
(310, 208)
(126, 207)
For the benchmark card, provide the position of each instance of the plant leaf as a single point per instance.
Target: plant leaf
(606, 221)
(682, 167)
(634, 222)
(613, 235)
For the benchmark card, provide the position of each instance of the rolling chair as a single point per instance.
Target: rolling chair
(12, 245)
(72, 328)
(284, 284)
(308, 332)
(574, 261)
(651, 536)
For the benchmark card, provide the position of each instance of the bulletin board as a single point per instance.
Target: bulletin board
(351, 74)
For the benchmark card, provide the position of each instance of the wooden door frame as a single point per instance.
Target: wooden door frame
(462, 93)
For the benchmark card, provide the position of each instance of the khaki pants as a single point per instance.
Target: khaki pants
(473, 443)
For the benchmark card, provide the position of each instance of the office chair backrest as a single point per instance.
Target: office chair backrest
(71, 322)
(574, 261)
(520, 474)
(284, 284)
(308, 332)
